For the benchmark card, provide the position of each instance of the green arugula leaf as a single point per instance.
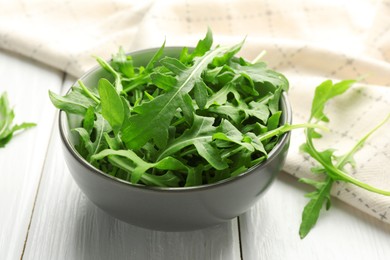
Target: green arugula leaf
(7, 115)
(323, 93)
(75, 102)
(111, 103)
(141, 166)
(94, 141)
(201, 48)
(221, 96)
(259, 72)
(123, 63)
(312, 209)
(163, 81)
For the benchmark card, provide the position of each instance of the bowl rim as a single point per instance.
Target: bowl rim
(64, 132)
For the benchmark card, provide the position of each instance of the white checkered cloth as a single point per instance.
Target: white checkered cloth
(308, 41)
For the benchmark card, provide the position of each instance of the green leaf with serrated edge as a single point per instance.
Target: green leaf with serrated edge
(211, 154)
(86, 141)
(273, 120)
(149, 67)
(194, 176)
(255, 142)
(220, 97)
(312, 210)
(201, 48)
(101, 127)
(323, 93)
(89, 119)
(223, 59)
(257, 110)
(202, 130)
(200, 94)
(273, 102)
(316, 184)
(228, 132)
(153, 118)
(75, 102)
(187, 109)
(211, 75)
(259, 72)
(126, 108)
(123, 63)
(111, 103)
(7, 129)
(169, 179)
(141, 166)
(163, 81)
(174, 65)
(228, 110)
(242, 111)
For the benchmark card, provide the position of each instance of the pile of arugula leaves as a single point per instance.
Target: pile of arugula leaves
(7, 115)
(187, 121)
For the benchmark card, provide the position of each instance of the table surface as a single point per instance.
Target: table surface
(44, 215)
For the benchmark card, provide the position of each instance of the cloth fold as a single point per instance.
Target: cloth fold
(308, 41)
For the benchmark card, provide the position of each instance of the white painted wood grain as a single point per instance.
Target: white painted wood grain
(21, 161)
(270, 229)
(66, 225)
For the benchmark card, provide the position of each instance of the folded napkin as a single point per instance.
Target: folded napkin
(308, 41)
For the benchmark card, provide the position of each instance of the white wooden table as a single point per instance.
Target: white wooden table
(44, 215)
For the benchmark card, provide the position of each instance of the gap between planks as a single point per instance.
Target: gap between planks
(52, 133)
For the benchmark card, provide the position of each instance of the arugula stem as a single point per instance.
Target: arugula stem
(121, 163)
(87, 92)
(337, 174)
(107, 66)
(286, 128)
(190, 151)
(360, 143)
(179, 121)
(259, 56)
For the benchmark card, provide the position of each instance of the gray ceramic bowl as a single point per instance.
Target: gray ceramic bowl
(170, 209)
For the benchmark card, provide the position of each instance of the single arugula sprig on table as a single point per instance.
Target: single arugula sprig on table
(330, 166)
(7, 115)
(204, 116)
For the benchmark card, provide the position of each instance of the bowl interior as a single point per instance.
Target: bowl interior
(142, 57)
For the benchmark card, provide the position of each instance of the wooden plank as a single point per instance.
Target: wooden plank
(270, 229)
(21, 161)
(66, 225)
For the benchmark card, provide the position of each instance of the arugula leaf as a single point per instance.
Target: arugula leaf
(312, 209)
(111, 103)
(7, 115)
(259, 72)
(201, 48)
(323, 93)
(75, 102)
(140, 166)
(93, 140)
(331, 167)
(200, 135)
